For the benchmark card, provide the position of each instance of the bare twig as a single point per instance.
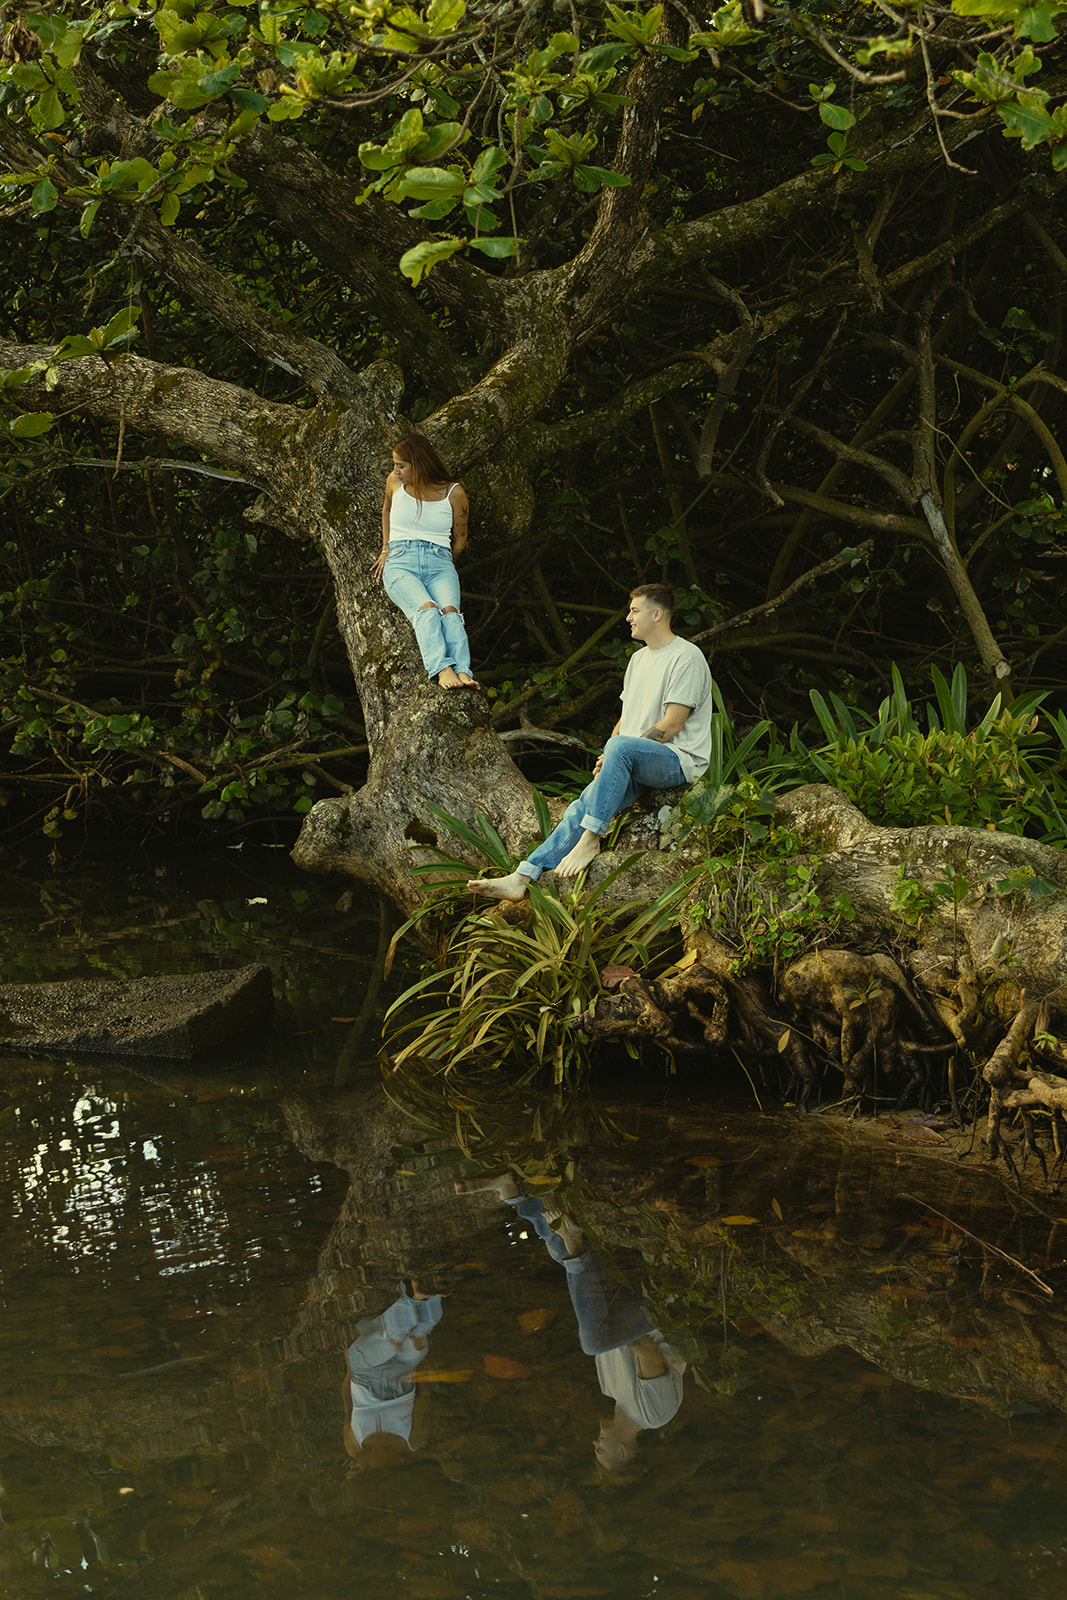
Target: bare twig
(770, 606)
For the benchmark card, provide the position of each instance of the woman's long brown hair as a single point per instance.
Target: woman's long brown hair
(428, 469)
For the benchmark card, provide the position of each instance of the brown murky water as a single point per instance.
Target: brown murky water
(182, 1265)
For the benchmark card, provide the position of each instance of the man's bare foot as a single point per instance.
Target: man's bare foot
(513, 887)
(505, 1187)
(568, 1230)
(582, 855)
(467, 682)
(449, 678)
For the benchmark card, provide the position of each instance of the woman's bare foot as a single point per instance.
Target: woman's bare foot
(580, 856)
(568, 1230)
(505, 1187)
(513, 887)
(449, 678)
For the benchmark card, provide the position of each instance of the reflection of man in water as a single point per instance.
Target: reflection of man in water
(633, 1362)
(379, 1390)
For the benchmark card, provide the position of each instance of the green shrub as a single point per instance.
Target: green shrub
(1002, 772)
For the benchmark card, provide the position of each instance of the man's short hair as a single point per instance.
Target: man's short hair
(657, 594)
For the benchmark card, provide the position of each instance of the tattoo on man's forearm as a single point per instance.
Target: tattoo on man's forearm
(655, 733)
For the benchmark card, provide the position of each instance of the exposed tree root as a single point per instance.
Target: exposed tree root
(856, 1025)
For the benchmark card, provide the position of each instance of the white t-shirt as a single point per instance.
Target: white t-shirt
(650, 1402)
(676, 674)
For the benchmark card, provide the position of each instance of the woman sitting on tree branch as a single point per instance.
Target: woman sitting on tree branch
(424, 524)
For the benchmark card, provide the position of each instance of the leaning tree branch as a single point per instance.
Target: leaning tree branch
(1022, 408)
(573, 432)
(63, 459)
(937, 537)
(769, 607)
(747, 340)
(220, 419)
(666, 255)
(595, 273)
(362, 244)
(133, 222)
(312, 202)
(897, 480)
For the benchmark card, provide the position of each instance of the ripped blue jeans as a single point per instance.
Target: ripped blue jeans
(417, 571)
(609, 1314)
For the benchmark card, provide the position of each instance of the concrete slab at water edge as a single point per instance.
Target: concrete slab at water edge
(173, 1018)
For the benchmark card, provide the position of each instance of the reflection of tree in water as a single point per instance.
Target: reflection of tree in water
(506, 1480)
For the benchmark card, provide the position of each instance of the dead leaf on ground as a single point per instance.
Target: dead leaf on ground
(535, 1321)
(504, 1367)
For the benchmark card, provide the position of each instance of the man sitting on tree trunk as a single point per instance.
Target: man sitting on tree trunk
(661, 740)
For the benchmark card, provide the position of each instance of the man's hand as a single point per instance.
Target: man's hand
(599, 764)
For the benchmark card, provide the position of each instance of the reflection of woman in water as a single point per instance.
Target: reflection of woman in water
(379, 1390)
(633, 1361)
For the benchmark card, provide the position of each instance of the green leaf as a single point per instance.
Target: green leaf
(602, 58)
(168, 211)
(67, 48)
(213, 84)
(285, 110)
(74, 346)
(29, 425)
(590, 179)
(496, 248)
(120, 324)
(428, 183)
(1029, 122)
(445, 16)
(635, 27)
(422, 258)
(1038, 22)
(135, 174)
(893, 48)
(249, 99)
(48, 111)
(839, 117)
(488, 164)
(44, 196)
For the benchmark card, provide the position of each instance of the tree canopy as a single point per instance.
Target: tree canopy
(766, 300)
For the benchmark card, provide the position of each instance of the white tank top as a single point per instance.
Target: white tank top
(421, 519)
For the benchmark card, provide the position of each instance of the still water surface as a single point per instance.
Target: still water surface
(183, 1263)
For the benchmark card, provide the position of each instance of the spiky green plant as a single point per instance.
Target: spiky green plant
(510, 994)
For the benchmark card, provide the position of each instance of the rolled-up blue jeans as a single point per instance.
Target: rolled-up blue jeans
(417, 571)
(609, 1314)
(628, 763)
